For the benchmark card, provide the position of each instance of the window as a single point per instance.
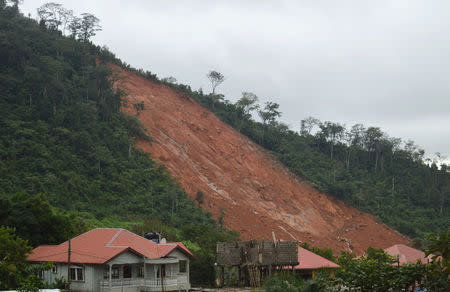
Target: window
(115, 273)
(55, 269)
(126, 271)
(77, 273)
(183, 266)
(41, 274)
(140, 272)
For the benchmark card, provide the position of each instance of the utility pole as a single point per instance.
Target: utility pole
(68, 268)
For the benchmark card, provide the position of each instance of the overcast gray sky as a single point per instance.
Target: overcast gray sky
(379, 63)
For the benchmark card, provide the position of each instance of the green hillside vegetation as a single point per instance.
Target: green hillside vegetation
(362, 166)
(68, 160)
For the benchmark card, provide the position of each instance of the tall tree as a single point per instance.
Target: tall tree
(332, 132)
(372, 138)
(74, 27)
(245, 105)
(216, 79)
(89, 26)
(307, 124)
(353, 139)
(53, 15)
(269, 113)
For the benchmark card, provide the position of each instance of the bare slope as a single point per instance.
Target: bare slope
(258, 194)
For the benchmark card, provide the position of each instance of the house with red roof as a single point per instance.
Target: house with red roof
(115, 259)
(405, 254)
(310, 263)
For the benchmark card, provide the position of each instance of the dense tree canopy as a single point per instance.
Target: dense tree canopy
(15, 272)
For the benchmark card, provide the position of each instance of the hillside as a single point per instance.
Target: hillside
(240, 180)
(68, 159)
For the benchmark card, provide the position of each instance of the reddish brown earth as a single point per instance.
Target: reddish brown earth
(258, 194)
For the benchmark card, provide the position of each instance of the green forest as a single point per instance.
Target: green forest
(68, 160)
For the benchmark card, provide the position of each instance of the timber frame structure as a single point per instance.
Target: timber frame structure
(254, 260)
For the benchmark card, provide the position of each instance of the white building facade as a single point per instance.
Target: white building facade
(141, 266)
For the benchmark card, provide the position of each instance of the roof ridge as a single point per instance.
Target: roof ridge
(109, 244)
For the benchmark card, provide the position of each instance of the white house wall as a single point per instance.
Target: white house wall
(93, 274)
(181, 256)
(90, 275)
(126, 258)
(178, 254)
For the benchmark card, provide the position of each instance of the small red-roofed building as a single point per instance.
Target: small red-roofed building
(406, 254)
(115, 259)
(310, 263)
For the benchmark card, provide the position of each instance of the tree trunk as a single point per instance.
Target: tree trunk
(376, 161)
(347, 162)
(332, 148)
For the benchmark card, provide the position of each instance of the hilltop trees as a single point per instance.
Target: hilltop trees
(89, 26)
(331, 132)
(216, 79)
(269, 113)
(55, 17)
(245, 105)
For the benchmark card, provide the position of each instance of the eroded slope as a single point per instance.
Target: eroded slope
(258, 194)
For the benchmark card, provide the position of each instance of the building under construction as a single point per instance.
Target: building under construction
(252, 261)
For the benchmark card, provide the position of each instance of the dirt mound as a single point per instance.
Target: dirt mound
(257, 194)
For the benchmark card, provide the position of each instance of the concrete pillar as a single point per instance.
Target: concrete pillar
(144, 272)
(187, 270)
(110, 277)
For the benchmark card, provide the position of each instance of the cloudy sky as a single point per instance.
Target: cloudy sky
(379, 63)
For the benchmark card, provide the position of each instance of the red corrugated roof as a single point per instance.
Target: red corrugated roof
(100, 245)
(309, 260)
(407, 254)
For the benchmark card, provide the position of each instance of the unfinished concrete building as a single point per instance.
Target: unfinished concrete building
(249, 263)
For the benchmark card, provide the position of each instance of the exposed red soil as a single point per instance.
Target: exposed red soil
(258, 194)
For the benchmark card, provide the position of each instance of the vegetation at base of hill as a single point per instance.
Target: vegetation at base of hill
(34, 219)
(15, 272)
(375, 271)
(362, 166)
(68, 160)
